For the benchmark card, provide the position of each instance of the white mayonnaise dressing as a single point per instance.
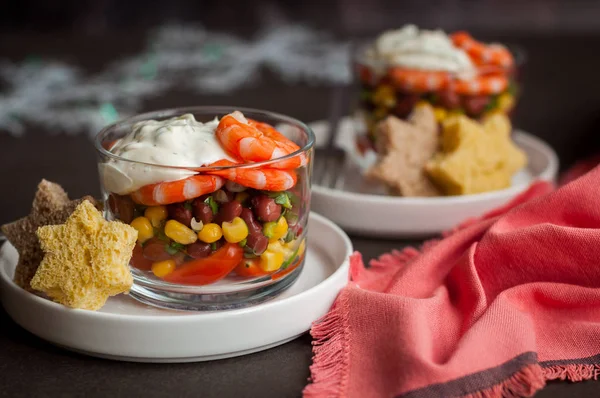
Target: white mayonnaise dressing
(181, 141)
(412, 48)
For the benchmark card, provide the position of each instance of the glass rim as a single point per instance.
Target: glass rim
(360, 46)
(206, 109)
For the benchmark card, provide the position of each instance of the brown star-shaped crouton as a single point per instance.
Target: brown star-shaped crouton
(51, 206)
(404, 148)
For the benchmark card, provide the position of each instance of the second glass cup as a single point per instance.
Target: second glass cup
(225, 235)
(386, 89)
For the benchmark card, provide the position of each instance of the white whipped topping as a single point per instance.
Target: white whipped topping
(412, 48)
(180, 141)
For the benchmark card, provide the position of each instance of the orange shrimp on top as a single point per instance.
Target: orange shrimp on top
(164, 193)
(255, 141)
(420, 80)
(481, 85)
(481, 53)
(264, 178)
(284, 144)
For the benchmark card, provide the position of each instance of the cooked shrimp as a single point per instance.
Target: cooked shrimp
(285, 146)
(164, 193)
(264, 178)
(255, 141)
(420, 80)
(281, 140)
(243, 140)
(483, 54)
(481, 85)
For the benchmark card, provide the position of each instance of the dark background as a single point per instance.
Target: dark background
(560, 103)
(355, 16)
(561, 37)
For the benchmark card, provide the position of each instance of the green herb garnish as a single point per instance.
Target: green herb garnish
(492, 104)
(290, 260)
(291, 218)
(188, 205)
(174, 248)
(289, 236)
(214, 206)
(160, 234)
(243, 242)
(213, 246)
(283, 199)
(269, 229)
(250, 255)
(295, 199)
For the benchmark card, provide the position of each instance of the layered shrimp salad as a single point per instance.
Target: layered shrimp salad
(455, 73)
(204, 203)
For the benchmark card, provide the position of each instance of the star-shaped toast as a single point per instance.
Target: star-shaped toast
(475, 157)
(51, 206)
(86, 259)
(404, 148)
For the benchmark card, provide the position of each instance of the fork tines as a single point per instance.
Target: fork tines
(329, 168)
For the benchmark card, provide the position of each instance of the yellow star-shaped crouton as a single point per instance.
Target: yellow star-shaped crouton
(475, 157)
(51, 206)
(86, 259)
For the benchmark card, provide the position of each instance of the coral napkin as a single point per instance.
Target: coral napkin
(494, 309)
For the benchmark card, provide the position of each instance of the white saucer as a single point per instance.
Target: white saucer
(125, 329)
(363, 208)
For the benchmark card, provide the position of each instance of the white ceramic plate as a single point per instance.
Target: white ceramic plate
(363, 208)
(125, 329)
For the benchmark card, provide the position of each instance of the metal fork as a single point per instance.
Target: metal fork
(330, 159)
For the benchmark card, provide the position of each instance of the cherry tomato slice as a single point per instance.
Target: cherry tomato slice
(249, 268)
(138, 260)
(210, 269)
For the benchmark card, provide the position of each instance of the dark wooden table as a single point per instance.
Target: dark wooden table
(560, 104)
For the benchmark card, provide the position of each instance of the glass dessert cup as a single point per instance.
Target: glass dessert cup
(386, 89)
(228, 244)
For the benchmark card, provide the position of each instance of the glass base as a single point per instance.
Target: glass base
(214, 301)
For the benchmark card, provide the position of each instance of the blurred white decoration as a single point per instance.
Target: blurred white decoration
(60, 98)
